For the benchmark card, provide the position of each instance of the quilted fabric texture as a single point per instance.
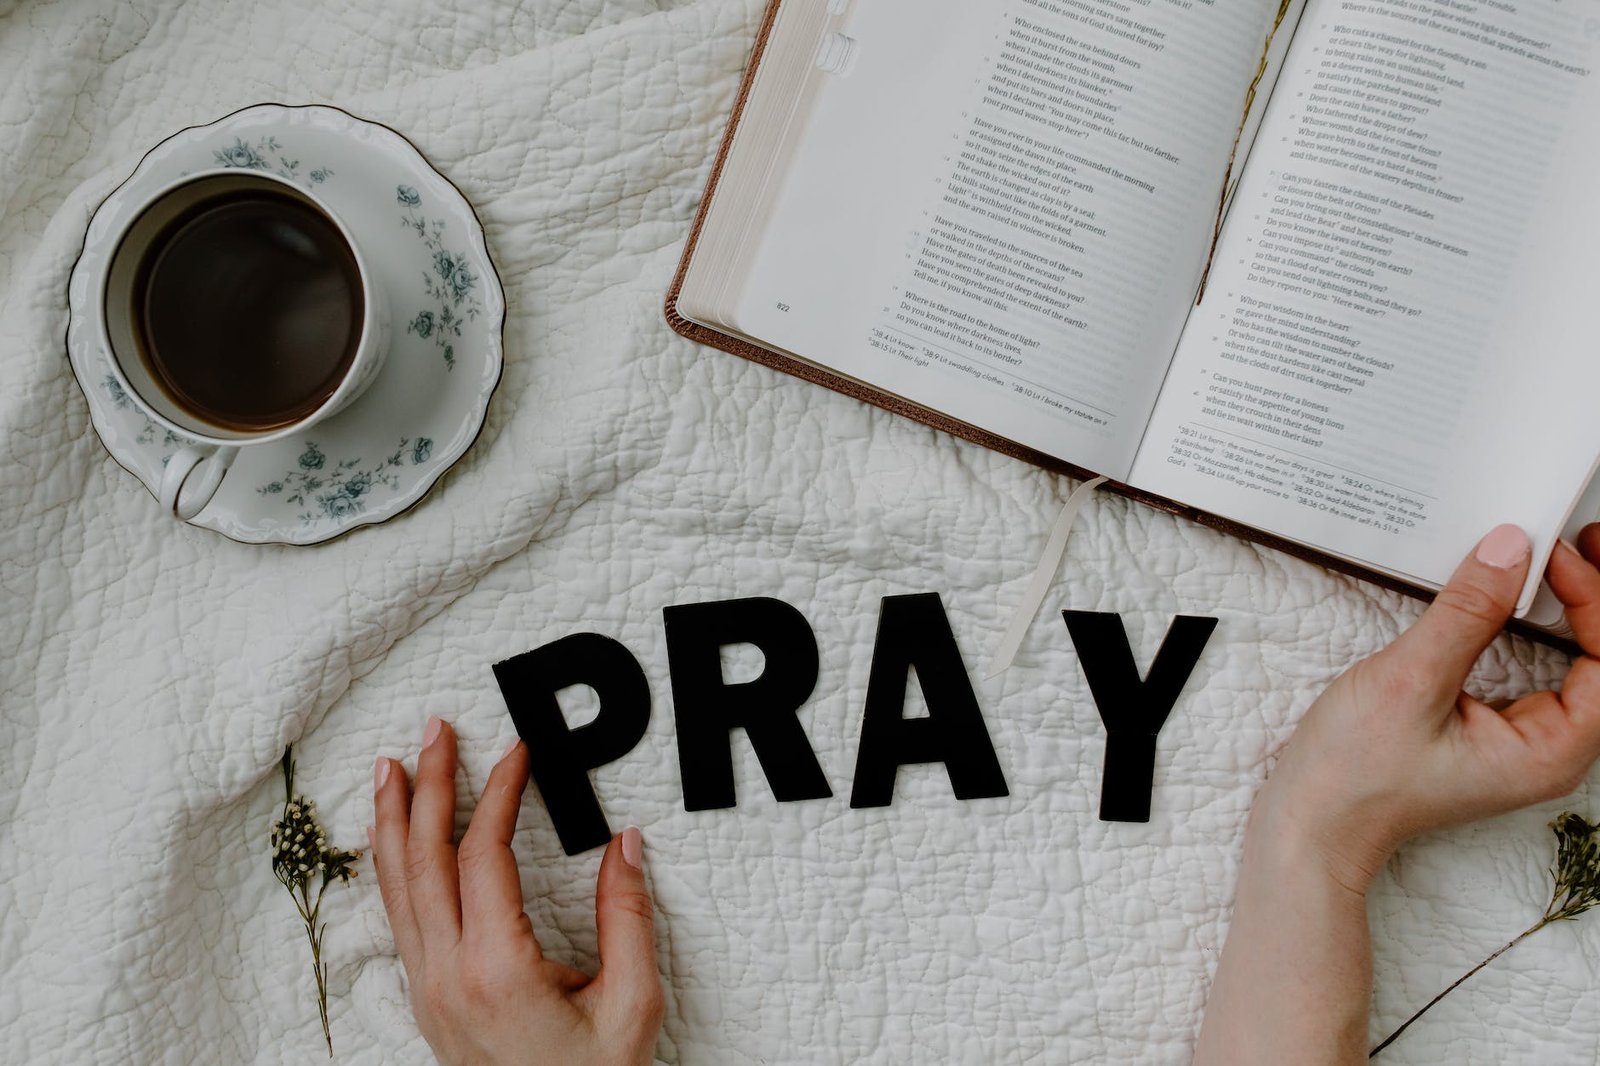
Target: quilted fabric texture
(151, 673)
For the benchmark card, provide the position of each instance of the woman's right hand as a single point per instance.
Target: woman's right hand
(1395, 748)
(483, 992)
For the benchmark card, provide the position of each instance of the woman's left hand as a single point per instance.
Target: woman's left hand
(481, 988)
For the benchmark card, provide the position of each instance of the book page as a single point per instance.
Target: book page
(1399, 347)
(790, 71)
(1000, 210)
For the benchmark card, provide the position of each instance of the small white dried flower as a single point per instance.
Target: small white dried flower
(299, 851)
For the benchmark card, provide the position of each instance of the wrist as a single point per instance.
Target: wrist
(1288, 830)
(1295, 977)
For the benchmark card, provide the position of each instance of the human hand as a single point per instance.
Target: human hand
(1394, 748)
(483, 992)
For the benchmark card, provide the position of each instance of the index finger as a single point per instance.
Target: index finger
(391, 807)
(491, 888)
(430, 866)
(1576, 583)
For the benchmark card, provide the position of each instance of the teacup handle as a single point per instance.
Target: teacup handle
(185, 505)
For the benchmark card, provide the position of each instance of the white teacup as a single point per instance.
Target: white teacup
(210, 445)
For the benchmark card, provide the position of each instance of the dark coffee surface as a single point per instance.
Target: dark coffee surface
(248, 309)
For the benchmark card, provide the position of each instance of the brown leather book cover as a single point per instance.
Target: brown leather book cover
(890, 402)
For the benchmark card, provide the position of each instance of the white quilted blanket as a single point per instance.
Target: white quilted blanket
(151, 673)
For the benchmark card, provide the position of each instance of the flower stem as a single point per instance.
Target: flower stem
(319, 970)
(1513, 942)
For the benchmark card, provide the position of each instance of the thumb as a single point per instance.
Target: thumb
(1469, 612)
(629, 982)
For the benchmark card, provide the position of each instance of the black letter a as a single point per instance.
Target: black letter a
(913, 631)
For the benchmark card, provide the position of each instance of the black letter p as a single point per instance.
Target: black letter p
(560, 758)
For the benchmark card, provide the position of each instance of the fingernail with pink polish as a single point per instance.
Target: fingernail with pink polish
(430, 733)
(1504, 547)
(632, 847)
(380, 773)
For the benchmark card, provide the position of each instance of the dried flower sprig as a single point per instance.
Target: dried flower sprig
(1238, 136)
(300, 856)
(1576, 874)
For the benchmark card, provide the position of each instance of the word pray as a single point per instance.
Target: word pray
(913, 634)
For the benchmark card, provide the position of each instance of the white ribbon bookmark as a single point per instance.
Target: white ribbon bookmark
(1044, 575)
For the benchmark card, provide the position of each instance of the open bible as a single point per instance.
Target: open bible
(1324, 272)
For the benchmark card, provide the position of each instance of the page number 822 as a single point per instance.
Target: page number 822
(782, 306)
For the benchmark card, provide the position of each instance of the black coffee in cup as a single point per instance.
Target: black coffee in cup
(247, 309)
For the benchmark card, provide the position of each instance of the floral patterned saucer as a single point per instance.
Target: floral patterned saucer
(381, 454)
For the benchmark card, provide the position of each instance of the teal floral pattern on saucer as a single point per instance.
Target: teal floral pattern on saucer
(338, 491)
(448, 282)
(266, 154)
(151, 432)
